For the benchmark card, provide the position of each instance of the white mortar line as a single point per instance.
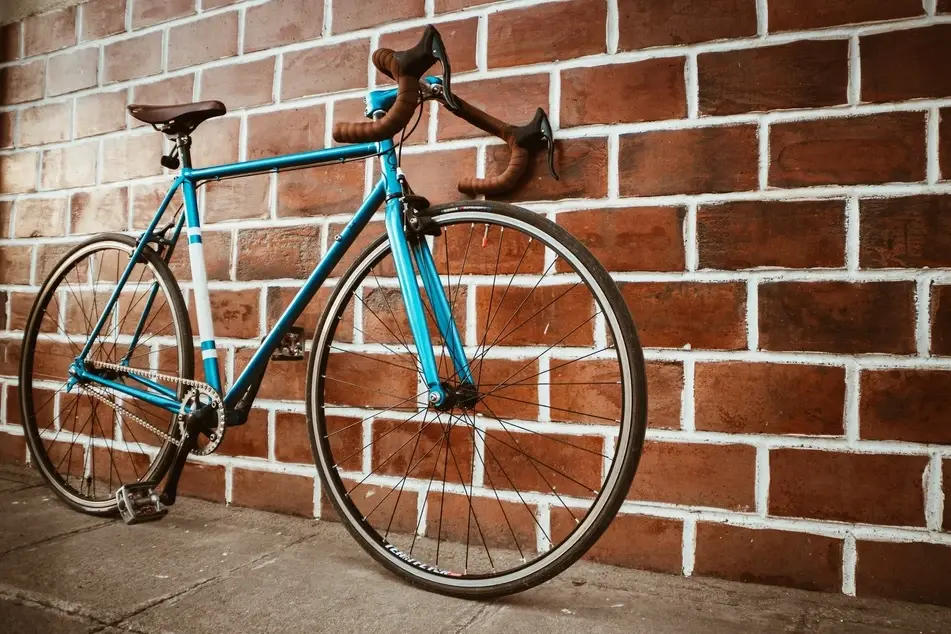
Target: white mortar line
(687, 398)
(328, 18)
(855, 72)
(934, 165)
(612, 27)
(761, 482)
(923, 316)
(849, 561)
(482, 43)
(752, 314)
(762, 135)
(934, 496)
(689, 546)
(614, 186)
(691, 247)
(692, 85)
(852, 403)
(852, 234)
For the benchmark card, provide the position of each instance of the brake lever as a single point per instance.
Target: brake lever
(418, 60)
(533, 134)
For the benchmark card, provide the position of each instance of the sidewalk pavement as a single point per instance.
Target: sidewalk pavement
(211, 568)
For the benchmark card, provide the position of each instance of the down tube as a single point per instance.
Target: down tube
(307, 292)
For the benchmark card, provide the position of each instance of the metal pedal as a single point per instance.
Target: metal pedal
(291, 347)
(140, 503)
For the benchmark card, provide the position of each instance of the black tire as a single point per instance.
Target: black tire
(630, 439)
(161, 461)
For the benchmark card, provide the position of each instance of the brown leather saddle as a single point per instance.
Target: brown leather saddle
(179, 118)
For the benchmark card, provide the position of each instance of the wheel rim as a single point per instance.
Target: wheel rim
(513, 544)
(85, 447)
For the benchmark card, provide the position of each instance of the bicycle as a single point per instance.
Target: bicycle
(511, 396)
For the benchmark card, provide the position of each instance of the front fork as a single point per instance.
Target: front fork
(405, 253)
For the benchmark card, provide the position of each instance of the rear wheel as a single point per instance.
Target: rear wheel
(87, 447)
(515, 480)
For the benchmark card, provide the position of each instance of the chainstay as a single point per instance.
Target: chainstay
(103, 397)
(196, 386)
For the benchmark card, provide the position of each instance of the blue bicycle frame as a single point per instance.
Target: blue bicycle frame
(405, 252)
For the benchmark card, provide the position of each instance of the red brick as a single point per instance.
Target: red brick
(325, 69)
(480, 521)
(237, 198)
(879, 148)
(240, 85)
(514, 390)
(72, 71)
(413, 448)
(566, 465)
(19, 305)
(608, 234)
(514, 35)
(321, 190)
(49, 31)
(809, 74)
(581, 165)
(102, 18)
(133, 58)
(6, 215)
(12, 449)
(551, 315)
(773, 557)
(702, 160)
(941, 320)
(279, 298)
(905, 232)
(459, 38)
(906, 64)
(281, 492)
(351, 16)
(512, 99)
(631, 541)
(237, 313)
(580, 391)
(747, 234)
(651, 90)
(372, 231)
(169, 90)
(665, 385)
(696, 474)
(249, 439)
(22, 83)
(695, 314)
(268, 254)
(217, 257)
(100, 113)
(70, 166)
(867, 488)
(148, 12)
(438, 172)
(216, 142)
(203, 40)
(10, 42)
(769, 398)
(47, 256)
(146, 199)
(286, 131)
(18, 172)
(644, 23)
(100, 210)
(281, 22)
(905, 405)
(37, 217)
(395, 513)
(843, 317)
(292, 441)
(206, 482)
(9, 349)
(504, 253)
(282, 381)
(444, 6)
(349, 380)
(7, 121)
(45, 124)
(944, 6)
(136, 156)
(944, 144)
(904, 571)
(797, 15)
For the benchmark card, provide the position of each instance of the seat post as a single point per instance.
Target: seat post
(184, 143)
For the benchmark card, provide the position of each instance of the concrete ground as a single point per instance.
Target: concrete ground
(209, 568)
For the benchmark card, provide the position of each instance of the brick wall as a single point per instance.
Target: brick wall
(766, 178)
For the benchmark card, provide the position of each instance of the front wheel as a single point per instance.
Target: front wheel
(515, 478)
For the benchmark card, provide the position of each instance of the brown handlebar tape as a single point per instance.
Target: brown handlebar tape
(400, 114)
(518, 161)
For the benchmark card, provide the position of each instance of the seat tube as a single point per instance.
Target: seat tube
(412, 300)
(196, 257)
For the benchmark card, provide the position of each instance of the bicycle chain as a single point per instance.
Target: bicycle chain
(197, 387)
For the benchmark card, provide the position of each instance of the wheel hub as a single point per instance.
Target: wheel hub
(464, 396)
